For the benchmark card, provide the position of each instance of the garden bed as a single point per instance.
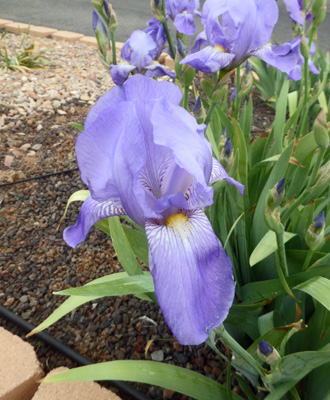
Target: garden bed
(36, 108)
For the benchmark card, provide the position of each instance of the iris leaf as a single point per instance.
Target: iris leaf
(169, 376)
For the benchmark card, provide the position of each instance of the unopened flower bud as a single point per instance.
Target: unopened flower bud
(156, 9)
(321, 134)
(113, 21)
(315, 233)
(304, 48)
(317, 4)
(98, 4)
(267, 353)
(228, 147)
(319, 17)
(197, 110)
(101, 36)
(182, 50)
(233, 94)
(273, 209)
(323, 175)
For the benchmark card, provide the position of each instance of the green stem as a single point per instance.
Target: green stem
(306, 72)
(210, 112)
(296, 203)
(113, 46)
(185, 97)
(239, 350)
(238, 87)
(308, 259)
(281, 252)
(317, 165)
(167, 31)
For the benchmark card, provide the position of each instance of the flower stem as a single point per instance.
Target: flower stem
(308, 259)
(306, 73)
(185, 97)
(238, 88)
(113, 46)
(210, 112)
(317, 165)
(238, 349)
(170, 43)
(281, 252)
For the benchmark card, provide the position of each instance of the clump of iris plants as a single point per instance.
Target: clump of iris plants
(231, 228)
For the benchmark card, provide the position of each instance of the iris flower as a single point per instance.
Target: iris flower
(294, 8)
(143, 155)
(296, 72)
(245, 30)
(182, 13)
(140, 52)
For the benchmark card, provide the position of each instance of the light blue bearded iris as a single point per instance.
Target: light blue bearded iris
(139, 53)
(182, 13)
(245, 30)
(143, 155)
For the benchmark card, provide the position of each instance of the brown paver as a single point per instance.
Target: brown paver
(73, 390)
(169, 62)
(4, 22)
(19, 368)
(66, 35)
(89, 41)
(41, 31)
(17, 27)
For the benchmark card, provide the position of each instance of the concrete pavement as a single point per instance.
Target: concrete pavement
(75, 15)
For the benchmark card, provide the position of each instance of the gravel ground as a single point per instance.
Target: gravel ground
(35, 110)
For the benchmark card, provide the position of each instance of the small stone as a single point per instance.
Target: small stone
(84, 97)
(157, 355)
(25, 146)
(37, 146)
(54, 127)
(24, 299)
(31, 153)
(56, 104)
(24, 78)
(8, 160)
(61, 112)
(21, 134)
(52, 94)
(39, 127)
(9, 302)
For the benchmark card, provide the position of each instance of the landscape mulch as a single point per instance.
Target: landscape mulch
(36, 108)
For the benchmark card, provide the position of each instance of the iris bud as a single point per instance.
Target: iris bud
(267, 353)
(318, 19)
(98, 4)
(304, 48)
(197, 110)
(273, 209)
(323, 175)
(315, 233)
(113, 21)
(317, 4)
(156, 9)
(321, 134)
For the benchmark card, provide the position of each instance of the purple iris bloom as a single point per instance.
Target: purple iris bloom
(182, 13)
(296, 72)
(140, 52)
(294, 8)
(245, 30)
(143, 155)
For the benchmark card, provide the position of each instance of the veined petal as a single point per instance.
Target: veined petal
(184, 23)
(190, 151)
(293, 8)
(192, 275)
(91, 212)
(156, 69)
(139, 88)
(219, 173)
(119, 73)
(208, 60)
(284, 57)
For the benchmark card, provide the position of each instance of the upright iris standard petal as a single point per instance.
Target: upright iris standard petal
(182, 13)
(244, 31)
(192, 275)
(294, 9)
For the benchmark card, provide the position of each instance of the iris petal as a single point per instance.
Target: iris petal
(91, 212)
(219, 173)
(192, 275)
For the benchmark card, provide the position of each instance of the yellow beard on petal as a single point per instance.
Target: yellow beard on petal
(180, 225)
(220, 49)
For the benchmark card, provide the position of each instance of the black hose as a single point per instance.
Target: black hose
(67, 351)
(39, 177)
